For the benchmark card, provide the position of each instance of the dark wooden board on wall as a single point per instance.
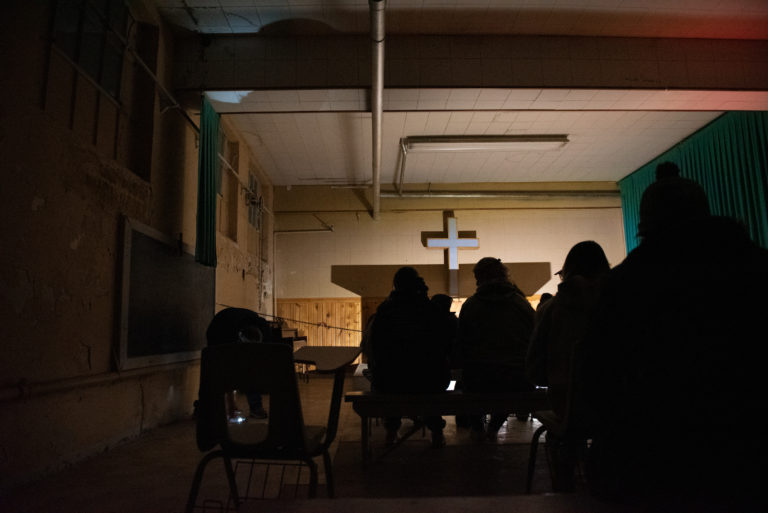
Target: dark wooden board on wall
(167, 299)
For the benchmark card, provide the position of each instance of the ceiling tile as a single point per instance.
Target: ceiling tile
(609, 136)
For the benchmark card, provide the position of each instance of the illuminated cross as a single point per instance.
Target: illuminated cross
(451, 244)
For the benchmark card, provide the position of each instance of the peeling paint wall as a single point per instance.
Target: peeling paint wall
(244, 269)
(62, 196)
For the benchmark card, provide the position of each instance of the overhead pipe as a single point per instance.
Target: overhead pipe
(520, 195)
(403, 155)
(309, 230)
(377, 97)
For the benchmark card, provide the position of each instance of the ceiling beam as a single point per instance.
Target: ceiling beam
(327, 62)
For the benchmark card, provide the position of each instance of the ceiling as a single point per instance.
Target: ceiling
(726, 19)
(323, 136)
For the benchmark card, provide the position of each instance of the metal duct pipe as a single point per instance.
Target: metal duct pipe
(520, 195)
(403, 155)
(315, 230)
(377, 96)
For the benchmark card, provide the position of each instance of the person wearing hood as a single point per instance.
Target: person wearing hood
(495, 325)
(409, 341)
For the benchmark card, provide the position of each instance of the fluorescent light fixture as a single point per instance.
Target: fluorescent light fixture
(484, 142)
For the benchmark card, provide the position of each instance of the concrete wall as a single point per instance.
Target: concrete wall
(244, 270)
(68, 176)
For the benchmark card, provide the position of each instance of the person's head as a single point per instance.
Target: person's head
(490, 269)
(442, 301)
(546, 296)
(407, 280)
(585, 259)
(668, 202)
(667, 170)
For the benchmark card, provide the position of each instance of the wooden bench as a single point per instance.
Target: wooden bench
(370, 405)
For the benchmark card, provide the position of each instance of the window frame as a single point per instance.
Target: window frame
(106, 69)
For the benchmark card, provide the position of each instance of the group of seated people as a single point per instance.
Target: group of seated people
(654, 361)
(413, 342)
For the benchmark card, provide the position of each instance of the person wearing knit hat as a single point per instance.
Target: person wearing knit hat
(667, 170)
(673, 340)
(669, 202)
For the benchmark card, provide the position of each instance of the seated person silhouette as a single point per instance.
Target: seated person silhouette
(672, 385)
(444, 303)
(240, 325)
(560, 325)
(562, 321)
(495, 326)
(546, 296)
(409, 344)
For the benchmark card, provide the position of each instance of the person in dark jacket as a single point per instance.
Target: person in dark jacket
(410, 345)
(560, 326)
(562, 322)
(495, 325)
(672, 356)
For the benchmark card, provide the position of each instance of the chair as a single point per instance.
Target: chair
(567, 427)
(265, 368)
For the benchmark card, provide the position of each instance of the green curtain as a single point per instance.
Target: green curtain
(728, 159)
(208, 155)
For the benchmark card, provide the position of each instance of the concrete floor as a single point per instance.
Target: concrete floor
(154, 472)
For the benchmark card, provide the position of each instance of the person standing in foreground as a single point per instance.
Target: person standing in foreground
(672, 386)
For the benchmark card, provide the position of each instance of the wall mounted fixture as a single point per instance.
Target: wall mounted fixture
(251, 199)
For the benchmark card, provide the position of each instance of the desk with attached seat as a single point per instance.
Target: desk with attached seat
(329, 360)
(265, 368)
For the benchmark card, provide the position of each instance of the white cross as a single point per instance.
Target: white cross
(452, 244)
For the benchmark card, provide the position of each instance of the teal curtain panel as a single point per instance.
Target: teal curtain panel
(208, 155)
(727, 158)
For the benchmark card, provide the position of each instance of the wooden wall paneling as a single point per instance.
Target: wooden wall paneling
(324, 321)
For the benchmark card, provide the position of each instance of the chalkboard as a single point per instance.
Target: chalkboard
(167, 299)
